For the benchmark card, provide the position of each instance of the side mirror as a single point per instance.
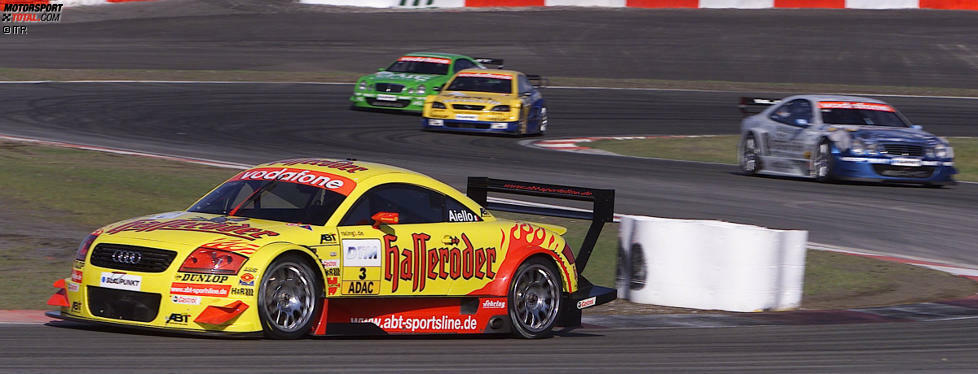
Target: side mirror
(386, 218)
(381, 69)
(916, 127)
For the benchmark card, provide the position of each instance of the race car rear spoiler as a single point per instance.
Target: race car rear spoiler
(490, 61)
(537, 81)
(752, 105)
(603, 211)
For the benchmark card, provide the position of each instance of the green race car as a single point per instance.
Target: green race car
(405, 84)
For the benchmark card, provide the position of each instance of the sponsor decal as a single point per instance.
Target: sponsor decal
(333, 281)
(390, 75)
(250, 270)
(493, 304)
(121, 281)
(331, 267)
(76, 276)
(186, 300)
(76, 306)
(333, 289)
(243, 230)
(352, 233)
(206, 278)
(167, 215)
(233, 245)
(562, 191)
(421, 263)
(854, 105)
(484, 212)
(327, 239)
(398, 322)
(78, 264)
(191, 289)
(178, 319)
(586, 303)
(327, 181)
(344, 165)
(361, 252)
(486, 75)
(243, 291)
(361, 288)
(73, 287)
(433, 60)
(247, 280)
(462, 216)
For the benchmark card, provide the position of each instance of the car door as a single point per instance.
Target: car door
(436, 243)
(790, 121)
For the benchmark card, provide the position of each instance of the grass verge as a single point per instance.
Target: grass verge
(723, 149)
(52, 197)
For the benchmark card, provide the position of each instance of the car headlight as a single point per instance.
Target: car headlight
(500, 108)
(871, 148)
(438, 105)
(941, 150)
(362, 86)
(420, 90)
(857, 147)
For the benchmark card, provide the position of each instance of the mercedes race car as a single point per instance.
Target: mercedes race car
(404, 84)
(339, 247)
(833, 137)
(493, 101)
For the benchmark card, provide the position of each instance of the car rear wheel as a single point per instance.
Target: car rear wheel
(288, 298)
(534, 299)
(750, 161)
(822, 165)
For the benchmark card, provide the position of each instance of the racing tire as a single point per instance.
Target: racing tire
(822, 162)
(288, 298)
(750, 160)
(534, 299)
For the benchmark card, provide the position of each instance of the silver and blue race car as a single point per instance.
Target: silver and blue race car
(834, 137)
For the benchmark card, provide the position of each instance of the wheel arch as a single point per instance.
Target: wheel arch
(269, 253)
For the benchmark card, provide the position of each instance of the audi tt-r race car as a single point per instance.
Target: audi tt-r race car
(322, 246)
(493, 101)
(829, 137)
(404, 84)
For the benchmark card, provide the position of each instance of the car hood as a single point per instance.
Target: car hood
(186, 231)
(404, 78)
(474, 97)
(892, 135)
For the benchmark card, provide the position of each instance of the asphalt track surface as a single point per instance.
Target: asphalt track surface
(253, 123)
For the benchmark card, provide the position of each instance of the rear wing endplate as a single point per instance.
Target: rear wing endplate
(754, 105)
(490, 61)
(603, 210)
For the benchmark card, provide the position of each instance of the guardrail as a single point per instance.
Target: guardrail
(710, 264)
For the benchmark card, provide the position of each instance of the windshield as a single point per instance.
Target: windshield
(421, 65)
(862, 114)
(493, 83)
(279, 201)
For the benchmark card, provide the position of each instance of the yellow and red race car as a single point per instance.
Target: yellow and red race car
(488, 101)
(324, 246)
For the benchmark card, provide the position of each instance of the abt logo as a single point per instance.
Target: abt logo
(178, 318)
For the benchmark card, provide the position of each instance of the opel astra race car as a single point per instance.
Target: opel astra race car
(832, 137)
(338, 247)
(404, 84)
(493, 101)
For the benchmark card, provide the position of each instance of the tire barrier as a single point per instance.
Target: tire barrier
(710, 264)
(728, 4)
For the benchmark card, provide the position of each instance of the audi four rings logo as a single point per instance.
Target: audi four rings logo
(126, 257)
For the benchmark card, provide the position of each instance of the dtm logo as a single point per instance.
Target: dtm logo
(178, 318)
(361, 252)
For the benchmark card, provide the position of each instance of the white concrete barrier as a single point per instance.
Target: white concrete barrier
(710, 264)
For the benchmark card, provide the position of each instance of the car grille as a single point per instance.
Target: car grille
(121, 304)
(389, 87)
(467, 107)
(903, 171)
(128, 257)
(903, 149)
(390, 104)
(463, 125)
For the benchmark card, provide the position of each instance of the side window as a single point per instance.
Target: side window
(524, 85)
(413, 204)
(796, 113)
(462, 64)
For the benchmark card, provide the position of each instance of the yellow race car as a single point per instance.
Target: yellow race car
(488, 101)
(324, 246)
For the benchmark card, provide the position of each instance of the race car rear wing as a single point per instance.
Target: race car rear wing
(537, 80)
(490, 61)
(753, 105)
(603, 210)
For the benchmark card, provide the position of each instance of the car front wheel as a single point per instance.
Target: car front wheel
(822, 166)
(750, 161)
(534, 299)
(288, 298)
